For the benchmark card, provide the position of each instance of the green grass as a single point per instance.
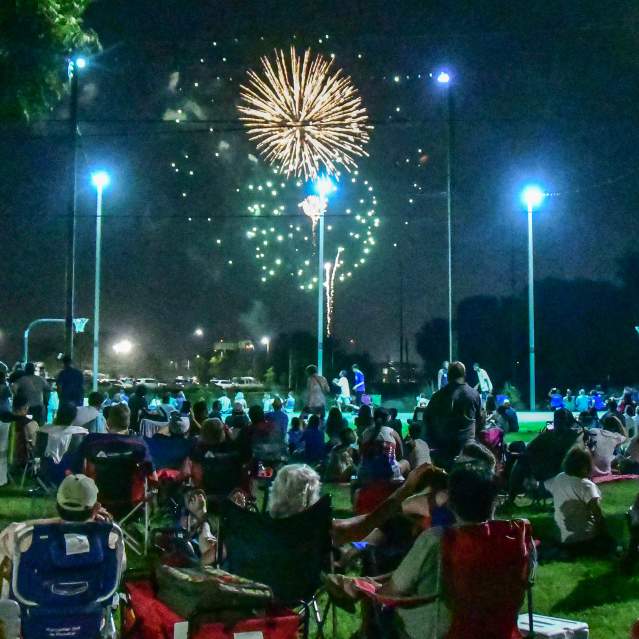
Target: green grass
(589, 590)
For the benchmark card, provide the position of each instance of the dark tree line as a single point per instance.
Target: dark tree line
(584, 333)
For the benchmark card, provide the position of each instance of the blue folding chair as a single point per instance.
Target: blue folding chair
(65, 577)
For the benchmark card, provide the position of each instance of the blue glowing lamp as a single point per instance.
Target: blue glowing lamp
(80, 62)
(100, 179)
(324, 186)
(532, 196)
(443, 77)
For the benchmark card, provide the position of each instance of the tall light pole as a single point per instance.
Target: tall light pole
(76, 64)
(100, 179)
(444, 78)
(532, 196)
(266, 341)
(323, 186)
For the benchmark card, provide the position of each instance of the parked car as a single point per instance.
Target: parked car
(220, 383)
(151, 383)
(241, 383)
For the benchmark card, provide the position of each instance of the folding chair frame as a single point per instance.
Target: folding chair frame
(138, 546)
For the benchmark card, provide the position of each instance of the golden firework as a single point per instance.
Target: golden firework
(304, 116)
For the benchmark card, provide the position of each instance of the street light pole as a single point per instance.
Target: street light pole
(449, 210)
(75, 64)
(531, 307)
(320, 295)
(100, 180)
(532, 197)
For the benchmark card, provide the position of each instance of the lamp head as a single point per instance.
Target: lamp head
(324, 186)
(100, 179)
(532, 196)
(443, 77)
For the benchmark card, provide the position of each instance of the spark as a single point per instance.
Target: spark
(329, 283)
(314, 207)
(304, 116)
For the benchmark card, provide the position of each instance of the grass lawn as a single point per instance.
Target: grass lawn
(589, 590)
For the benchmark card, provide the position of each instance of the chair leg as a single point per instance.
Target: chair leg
(318, 618)
(146, 527)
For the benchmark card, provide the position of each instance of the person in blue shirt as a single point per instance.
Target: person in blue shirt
(359, 385)
(313, 439)
(278, 417)
(70, 383)
(556, 399)
(442, 375)
(290, 402)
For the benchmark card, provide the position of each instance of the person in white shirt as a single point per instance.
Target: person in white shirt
(344, 397)
(577, 504)
(60, 432)
(484, 385)
(606, 439)
(91, 416)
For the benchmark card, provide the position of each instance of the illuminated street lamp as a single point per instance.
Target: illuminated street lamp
(123, 347)
(198, 332)
(266, 341)
(532, 196)
(443, 78)
(323, 186)
(100, 179)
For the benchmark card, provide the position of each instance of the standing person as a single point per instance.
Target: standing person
(442, 375)
(70, 383)
(33, 388)
(582, 401)
(359, 385)
(555, 399)
(344, 397)
(452, 417)
(137, 404)
(316, 390)
(5, 394)
(569, 400)
(484, 385)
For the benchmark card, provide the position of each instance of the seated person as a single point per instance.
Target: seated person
(199, 413)
(277, 416)
(295, 488)
(167, 406)
(211, 440)
(417, 450)
(380, 449)
(507, 418)
(295, 434)
(543, 457)
(262, 441)
(342, 458)
(313, 441)
(117, 440)
(90, 416)
(394, 422)
(237, 420)
(420, 410)
(335, 423)
(605, 441)
(76, 501)
(170, 450)
(472, 497)
(577, 503)
(201, 544)
(59, 433)
(25, 429)
(629, 463)
(216, 410)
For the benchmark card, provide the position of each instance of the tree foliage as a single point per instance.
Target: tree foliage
(36, 38)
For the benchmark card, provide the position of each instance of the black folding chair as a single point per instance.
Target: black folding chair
(34, 460)
(288, 554)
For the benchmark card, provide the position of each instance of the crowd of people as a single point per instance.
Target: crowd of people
(409, 483)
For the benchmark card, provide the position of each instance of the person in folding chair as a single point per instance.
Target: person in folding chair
(76, 501)
(122, 467)
(467, 581)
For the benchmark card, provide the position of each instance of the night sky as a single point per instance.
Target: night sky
(542, 93)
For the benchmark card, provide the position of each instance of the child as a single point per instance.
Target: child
(577, 503)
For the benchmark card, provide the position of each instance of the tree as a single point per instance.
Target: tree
(37, 37)
(431, 343)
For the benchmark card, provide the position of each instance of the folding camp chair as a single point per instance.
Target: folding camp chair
(65, 577)
(487, 570)
(123, 490)
(5, 427)
(287, 554)
(218, 475)
(34, 461)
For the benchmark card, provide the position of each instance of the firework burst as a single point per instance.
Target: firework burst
(304, 117)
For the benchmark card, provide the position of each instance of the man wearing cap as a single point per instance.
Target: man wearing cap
(76, 501)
